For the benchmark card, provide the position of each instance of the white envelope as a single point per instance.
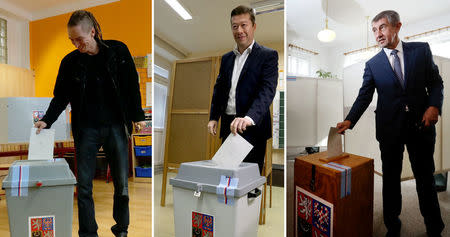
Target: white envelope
(41, 145)
(232, 152)
(334, 146)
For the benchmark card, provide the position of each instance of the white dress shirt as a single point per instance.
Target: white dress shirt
(400, 56)
(237, 69)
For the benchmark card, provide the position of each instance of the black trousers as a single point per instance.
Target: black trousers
(251, 134)
(420, 146)
(115, 144)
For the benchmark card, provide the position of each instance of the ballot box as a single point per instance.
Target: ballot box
(334, 198)
(39, 196)
(213, 201)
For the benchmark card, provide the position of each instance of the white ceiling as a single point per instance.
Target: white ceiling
(209, 30)
(39, 9)
(305, 18)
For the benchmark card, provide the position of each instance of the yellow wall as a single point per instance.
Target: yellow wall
(127, 20)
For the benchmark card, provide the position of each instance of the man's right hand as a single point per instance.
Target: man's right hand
(212, 127)
(40, 125)
(342, 126)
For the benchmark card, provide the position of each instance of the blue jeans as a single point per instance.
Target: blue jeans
(115, 144)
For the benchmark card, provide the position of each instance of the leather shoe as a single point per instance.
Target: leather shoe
(430, 234)
(119, 232)
(395, 231)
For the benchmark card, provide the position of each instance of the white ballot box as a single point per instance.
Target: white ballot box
(39, 196)
(210, 200)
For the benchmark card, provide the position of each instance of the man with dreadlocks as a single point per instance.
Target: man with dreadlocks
(100, 82)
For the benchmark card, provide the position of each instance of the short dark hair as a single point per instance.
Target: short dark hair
(392, 17)
(244, 10)
(87, 21)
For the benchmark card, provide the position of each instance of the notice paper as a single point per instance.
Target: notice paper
(41, 145)
(334, 146)
(232, 152)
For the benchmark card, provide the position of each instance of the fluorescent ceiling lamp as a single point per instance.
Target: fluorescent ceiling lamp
(176, 6)
(267, 6)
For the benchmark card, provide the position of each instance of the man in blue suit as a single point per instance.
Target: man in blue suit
(410, 94)
(245, 87)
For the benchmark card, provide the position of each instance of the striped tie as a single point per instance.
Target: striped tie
(398, 68)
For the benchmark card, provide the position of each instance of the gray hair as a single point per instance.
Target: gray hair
(392, 17)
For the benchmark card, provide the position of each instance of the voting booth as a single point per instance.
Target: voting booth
(18, 114)
(212, 200)
(39, 196)
(333, 198)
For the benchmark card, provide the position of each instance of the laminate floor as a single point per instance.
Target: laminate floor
(140, 210)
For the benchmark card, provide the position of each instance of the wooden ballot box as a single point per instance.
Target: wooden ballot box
(333, 198)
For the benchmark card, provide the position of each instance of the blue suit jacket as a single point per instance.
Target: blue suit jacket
(424, 88)
(255, 89)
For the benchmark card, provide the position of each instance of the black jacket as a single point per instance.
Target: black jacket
(70, 86)
(254, 92)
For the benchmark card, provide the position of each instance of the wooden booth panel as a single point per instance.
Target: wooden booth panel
(189, 101)
(191, 88)
(16, 81)
(191, 143)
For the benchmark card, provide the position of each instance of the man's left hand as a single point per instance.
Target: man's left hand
(430, 116)
(139, 125)
(240, 124)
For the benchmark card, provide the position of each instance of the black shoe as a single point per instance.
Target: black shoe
(433, 235)
(441, 182)
(395, 231)
(118, 232)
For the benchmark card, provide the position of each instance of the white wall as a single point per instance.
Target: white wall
(18, 40)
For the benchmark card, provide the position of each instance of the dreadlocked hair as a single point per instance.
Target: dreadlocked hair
(87, 20)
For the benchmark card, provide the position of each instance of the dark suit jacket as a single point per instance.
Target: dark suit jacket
(255, 89)
(424, 88)
(70, 86)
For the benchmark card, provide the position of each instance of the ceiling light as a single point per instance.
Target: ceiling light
(267, 6)
(326, 35)
(176, 6)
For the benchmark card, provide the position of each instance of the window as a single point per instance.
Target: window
(439, 42)
(160, 96)
(161, 72)
(3, 45)
(361, 56)
(298, 66)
